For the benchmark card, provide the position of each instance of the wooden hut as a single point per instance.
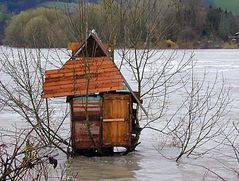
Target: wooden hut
(103, 114)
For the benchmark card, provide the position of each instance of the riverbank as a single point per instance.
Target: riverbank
(204, 44)
(169, 44)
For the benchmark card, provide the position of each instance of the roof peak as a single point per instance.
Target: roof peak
(93, 47)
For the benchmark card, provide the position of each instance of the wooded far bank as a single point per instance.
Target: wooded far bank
(165, 24)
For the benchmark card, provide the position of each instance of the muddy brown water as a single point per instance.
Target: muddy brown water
(147, 163)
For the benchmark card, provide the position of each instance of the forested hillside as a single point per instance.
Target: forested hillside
(188, 23)
(19, 5)
(8, 8)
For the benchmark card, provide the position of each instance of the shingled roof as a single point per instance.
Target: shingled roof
(88, 71)
(83, 76)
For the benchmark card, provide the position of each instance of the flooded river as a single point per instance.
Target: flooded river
(147, 163)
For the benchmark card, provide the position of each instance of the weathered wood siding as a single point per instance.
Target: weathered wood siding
(117, 120)
(86, 134)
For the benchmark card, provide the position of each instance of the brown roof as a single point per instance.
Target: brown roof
(90, 70)
(82, 76)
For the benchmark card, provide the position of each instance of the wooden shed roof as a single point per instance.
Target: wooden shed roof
(82, 76)
(88, 71)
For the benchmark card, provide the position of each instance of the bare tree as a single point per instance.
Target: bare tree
(234, 145)
(22, 157)
(143, 26)
(20, 93)
(231, 142)
(200, 119)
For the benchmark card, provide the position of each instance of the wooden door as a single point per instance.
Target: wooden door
(116, 120)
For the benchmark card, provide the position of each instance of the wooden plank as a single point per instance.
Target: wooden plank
(84, 107)
(82, 117)
(82, 85)
(81, 92)
(78, 81)
(68, 80)
(82, 63)
(89, 104)
(73, 60)
(93, 113)
(82, 138)
(80, 68)
(75, 75)
(83, 102)
(116, 97)
(79, 72)
(87, 62)
(95, 109)
(114, 120)
(89, 59)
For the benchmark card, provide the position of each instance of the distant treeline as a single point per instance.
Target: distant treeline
(20, 5)
(123, 21)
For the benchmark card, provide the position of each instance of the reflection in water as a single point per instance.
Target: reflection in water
(104, 168)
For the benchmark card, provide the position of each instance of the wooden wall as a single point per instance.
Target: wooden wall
(86, 134)
(109, 124)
